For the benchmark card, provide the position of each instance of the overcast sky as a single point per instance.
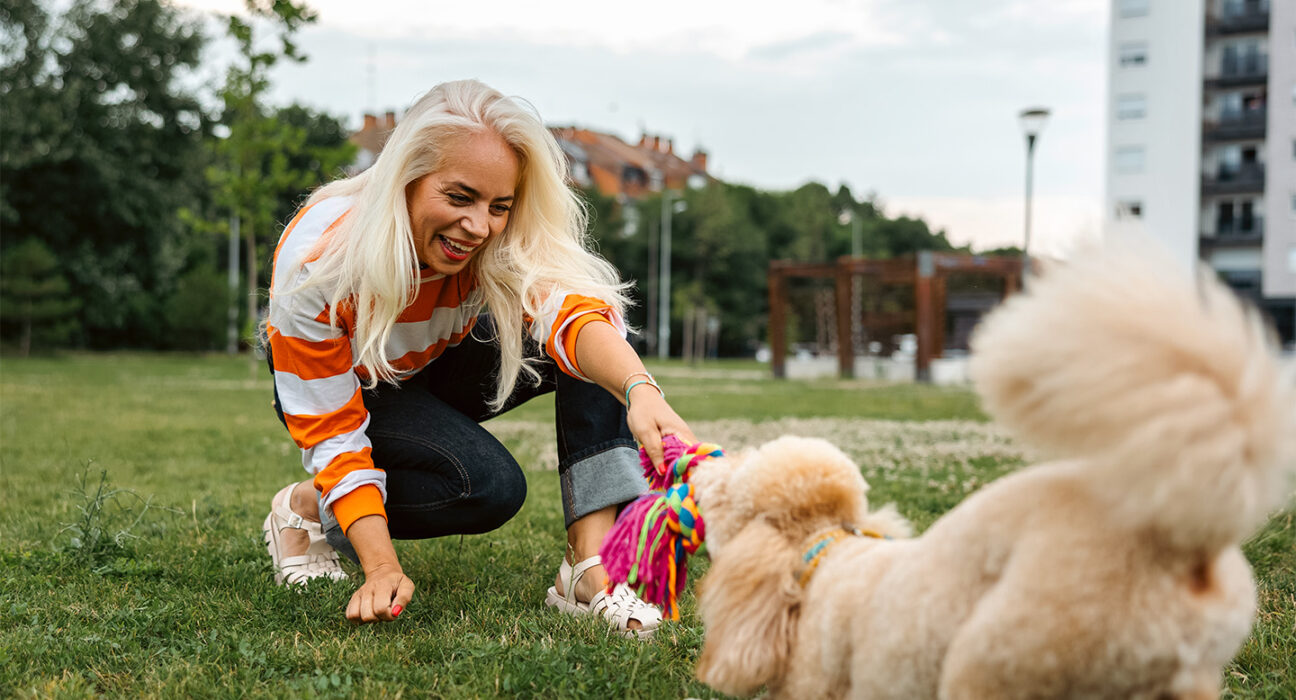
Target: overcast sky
(915, 100)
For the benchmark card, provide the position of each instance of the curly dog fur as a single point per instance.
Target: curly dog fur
(1111, 571)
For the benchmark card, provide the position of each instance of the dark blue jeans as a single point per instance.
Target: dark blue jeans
(447, 475)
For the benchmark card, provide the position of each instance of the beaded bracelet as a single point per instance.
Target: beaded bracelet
(649, 382)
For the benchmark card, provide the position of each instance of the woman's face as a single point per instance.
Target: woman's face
(455, 210)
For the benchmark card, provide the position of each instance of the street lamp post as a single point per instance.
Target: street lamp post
(849, 216)
(1032, 122)
(668, 210)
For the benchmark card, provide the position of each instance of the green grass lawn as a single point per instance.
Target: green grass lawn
(185, 606)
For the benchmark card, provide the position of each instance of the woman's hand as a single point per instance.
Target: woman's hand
(386, 589)
(650, 419)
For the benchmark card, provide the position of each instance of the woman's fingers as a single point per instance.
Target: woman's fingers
(380, 598)
(404, 592)
(367, 604)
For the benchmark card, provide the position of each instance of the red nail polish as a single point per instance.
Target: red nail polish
(396, 611)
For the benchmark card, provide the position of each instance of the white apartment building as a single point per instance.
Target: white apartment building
(1201, 139)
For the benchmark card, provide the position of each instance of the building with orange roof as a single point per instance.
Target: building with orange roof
(594, 159)
(370, 139)
(618, 169)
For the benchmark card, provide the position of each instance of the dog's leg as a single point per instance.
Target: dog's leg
(749, 603)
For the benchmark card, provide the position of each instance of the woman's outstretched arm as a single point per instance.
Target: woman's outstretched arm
(605, 357)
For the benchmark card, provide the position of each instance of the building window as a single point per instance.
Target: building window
(1131, 106)
(1129, 209)
(1229, 162)
(1133, 8)
(1132, 54)
(1129, 159)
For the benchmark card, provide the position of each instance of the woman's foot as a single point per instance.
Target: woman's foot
(582, 572)
(620, 607)
(295, 539)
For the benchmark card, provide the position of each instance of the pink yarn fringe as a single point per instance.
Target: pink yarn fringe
(621, 546)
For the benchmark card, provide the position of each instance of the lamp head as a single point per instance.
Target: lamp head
(1032, 120)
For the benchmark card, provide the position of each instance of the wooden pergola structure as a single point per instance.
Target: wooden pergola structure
(927, 271)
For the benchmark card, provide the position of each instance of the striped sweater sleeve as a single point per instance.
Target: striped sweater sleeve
(561, 318)
(319, 392)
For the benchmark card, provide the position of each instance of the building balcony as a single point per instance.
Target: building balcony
(1240, 71)
(1248, 179)
(1232, 234)
(1248, 124)
(1242, 18)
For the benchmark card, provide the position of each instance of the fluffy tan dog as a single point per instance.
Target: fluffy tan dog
(1112, 572)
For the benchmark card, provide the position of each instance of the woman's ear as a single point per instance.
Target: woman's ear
(749, 603)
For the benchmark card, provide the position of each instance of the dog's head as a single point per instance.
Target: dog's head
(760, 506)
(793, 483)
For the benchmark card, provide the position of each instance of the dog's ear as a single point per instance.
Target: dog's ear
(749, 603)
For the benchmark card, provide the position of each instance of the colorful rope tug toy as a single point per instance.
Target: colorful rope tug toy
(648, 547)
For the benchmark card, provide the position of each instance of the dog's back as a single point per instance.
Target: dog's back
(1026, 590)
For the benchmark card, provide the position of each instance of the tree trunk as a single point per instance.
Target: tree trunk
(24, 343)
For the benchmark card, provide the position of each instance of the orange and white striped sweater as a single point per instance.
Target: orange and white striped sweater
(319, 383)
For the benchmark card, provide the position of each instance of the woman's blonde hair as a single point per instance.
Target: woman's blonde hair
(370, 260)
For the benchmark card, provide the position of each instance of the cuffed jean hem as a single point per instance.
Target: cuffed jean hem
(608, 478)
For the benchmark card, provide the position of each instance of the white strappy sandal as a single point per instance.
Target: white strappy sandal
(618, 607)
(320, 559)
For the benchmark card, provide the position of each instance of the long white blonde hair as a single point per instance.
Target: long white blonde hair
(370, 259)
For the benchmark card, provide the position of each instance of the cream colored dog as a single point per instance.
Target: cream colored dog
(1112, 572)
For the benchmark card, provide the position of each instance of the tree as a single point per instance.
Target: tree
(723, 241)
(100, 143)
(322, 154)
(34, 296)
(255, 163)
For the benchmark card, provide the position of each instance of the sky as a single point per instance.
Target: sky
(915, 101)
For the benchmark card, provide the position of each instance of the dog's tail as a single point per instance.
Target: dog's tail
(1169, 386)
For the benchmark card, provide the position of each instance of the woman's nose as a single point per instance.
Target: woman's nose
(474, 223)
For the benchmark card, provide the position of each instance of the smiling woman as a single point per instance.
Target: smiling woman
(385, 364)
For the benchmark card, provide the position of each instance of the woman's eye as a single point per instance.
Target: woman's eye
(459, 198)
(500, 208)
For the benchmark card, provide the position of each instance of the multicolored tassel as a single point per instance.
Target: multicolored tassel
(648, 547)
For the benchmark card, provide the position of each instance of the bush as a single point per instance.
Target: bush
(196, 314)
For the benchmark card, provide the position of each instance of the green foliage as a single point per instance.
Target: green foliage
(196, 313)
(108, 157)
(321, 156)
(101, 147)
(34, 296)
(106, 520)
(724, 240)
(267, 160)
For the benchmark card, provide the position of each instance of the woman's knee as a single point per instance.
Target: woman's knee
(494, 500)
(455, 494)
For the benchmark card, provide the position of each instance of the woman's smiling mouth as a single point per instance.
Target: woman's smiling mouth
(455, 250)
